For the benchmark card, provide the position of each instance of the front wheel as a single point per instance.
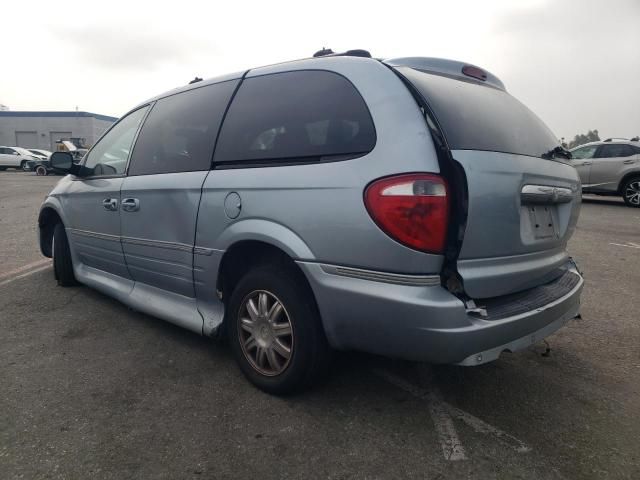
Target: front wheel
(631, 192)
(275, 330)
(24, 166)
(41, 170)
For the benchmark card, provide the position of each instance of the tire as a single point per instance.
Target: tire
(309, 351)
(631, 192)
(62, 264)
(41, 171)
(23, 166)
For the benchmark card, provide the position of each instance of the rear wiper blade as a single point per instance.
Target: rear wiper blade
(557, 152)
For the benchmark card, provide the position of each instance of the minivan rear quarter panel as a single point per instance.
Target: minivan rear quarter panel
(305, 198)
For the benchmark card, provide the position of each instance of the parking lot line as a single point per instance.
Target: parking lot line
(452, 448)
(24, 268)
(628, 245)
(481, 426)
(36, 268)
(443, 414)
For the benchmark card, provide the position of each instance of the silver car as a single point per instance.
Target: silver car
(410, 208)
(610, 167)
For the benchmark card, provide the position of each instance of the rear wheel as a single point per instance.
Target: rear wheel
(62, 264)
(275, 330)
(631, 192)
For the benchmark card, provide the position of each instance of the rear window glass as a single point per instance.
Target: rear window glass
(479, 117)
(295, 116)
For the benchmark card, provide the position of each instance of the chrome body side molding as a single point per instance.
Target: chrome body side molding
(145, 242)
(384, 277)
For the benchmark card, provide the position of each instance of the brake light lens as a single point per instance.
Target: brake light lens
(475, 72)
(412, 209)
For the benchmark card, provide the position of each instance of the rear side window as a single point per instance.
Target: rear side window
(180, 131)
(615, 150)
(293, 117)
(479, 117)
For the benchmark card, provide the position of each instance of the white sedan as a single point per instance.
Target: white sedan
(41, 154)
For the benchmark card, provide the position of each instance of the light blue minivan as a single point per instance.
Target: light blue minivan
(408, 207)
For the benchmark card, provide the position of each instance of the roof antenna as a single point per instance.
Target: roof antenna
(195, 80)
(323, 52)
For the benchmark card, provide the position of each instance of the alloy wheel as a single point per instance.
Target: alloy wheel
(265, 332)
(632, 193)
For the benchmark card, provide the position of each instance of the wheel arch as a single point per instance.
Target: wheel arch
(245, 254)
(627, 177)
(47, 219)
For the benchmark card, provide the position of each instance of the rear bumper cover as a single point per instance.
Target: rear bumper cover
(427, 323)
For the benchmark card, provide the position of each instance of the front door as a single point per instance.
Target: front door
(9, 157)
(92, 202)
(5, 157)
(582, 160)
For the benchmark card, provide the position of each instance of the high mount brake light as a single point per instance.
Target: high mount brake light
(413, 209)
(475, 72)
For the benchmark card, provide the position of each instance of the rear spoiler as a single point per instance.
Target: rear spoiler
(449, 68)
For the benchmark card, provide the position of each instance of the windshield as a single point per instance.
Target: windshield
(23, 151)
(478, 117)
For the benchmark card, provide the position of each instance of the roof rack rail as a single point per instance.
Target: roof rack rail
(615, 138)
(327, 52)
(635, 139)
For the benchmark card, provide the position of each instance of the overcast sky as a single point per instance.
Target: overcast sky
(576, 63)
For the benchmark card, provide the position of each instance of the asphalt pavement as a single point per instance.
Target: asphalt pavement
(91, 389)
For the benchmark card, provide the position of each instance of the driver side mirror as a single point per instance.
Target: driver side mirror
(63, 162)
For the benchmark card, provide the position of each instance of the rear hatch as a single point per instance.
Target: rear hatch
(521, 203)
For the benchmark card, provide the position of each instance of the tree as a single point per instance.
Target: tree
(580, 139)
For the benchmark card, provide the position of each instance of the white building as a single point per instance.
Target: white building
(44, 129)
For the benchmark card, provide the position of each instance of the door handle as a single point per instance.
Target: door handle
(629, 162)
(587, 163)
(545, 194)
(130, 204)
(110, 204)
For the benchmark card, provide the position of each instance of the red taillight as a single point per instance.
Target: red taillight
(412, 209)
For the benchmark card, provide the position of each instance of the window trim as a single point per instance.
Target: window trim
(260, 163)
(135, 138)
(287, 161)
